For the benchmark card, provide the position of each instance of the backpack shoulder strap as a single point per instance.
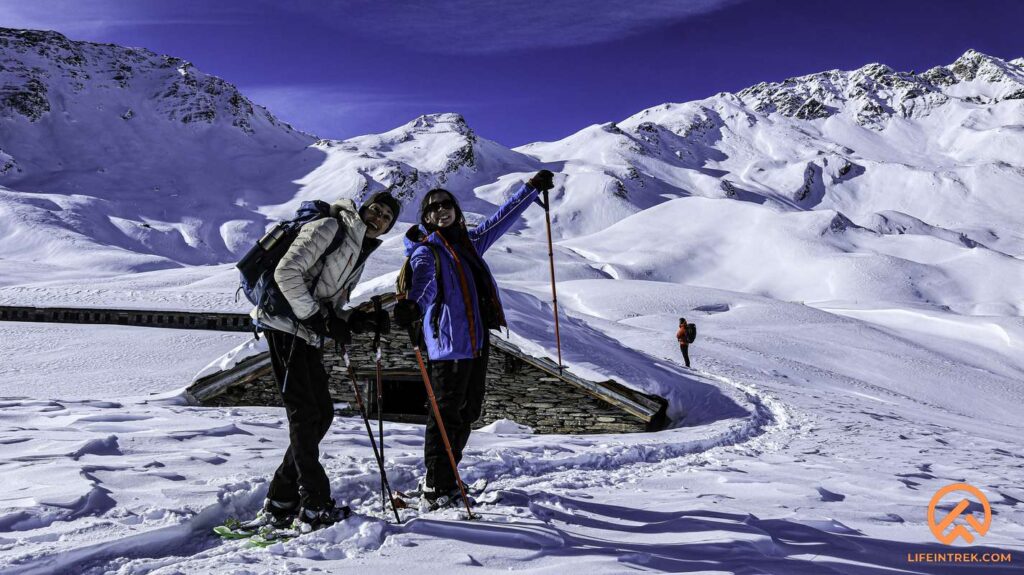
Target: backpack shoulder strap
(404, 281)
(339, 237)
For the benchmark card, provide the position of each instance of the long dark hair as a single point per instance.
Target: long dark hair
(460, 220)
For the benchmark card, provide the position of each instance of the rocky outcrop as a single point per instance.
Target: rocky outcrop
(7, 163)
(875, 92)
(35, 66)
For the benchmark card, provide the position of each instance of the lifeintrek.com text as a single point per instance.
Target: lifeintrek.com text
(952, 557)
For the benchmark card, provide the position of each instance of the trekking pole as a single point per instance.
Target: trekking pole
(554, 292)
(288, 363)
(369, 431)
(417, 327)
(377, 308)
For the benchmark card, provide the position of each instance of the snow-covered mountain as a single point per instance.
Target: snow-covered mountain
(139, 161)
(116, 149)
(941, 147)
(871, 185)
(895, 186)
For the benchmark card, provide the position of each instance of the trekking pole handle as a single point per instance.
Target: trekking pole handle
(413, 329)
(377, 307)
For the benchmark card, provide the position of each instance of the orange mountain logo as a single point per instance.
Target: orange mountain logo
(941, 526)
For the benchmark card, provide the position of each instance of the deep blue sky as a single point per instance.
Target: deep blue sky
(521, 70)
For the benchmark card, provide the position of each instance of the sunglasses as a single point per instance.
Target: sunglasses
(442, 205)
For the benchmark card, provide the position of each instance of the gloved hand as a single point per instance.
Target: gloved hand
(377, 321)
(359, 321)
(406, 313)
(316, 323)
(339, 330)
(543, 180)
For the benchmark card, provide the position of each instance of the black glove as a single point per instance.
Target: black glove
(362, 322)
(359, 321)
(406, 313)
(543, 180)
(339, 330)
(315, 323)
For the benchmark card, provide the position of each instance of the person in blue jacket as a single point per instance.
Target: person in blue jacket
(458, 304)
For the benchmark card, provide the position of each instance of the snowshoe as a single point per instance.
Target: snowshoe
(273, 515)
(269, 536)
(474, 488)
(431, 500)
(311, 519)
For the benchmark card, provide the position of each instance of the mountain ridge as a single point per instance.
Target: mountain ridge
(199, 192)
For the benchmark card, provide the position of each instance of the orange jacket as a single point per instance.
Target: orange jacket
(681, 335)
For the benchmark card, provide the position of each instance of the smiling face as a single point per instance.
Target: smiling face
(440, 210)
(377, 218)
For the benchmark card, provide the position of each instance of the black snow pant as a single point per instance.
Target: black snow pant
(310, 410)
(459, 387)
(686, 353)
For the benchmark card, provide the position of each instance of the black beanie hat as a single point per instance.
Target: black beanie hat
(386, 199)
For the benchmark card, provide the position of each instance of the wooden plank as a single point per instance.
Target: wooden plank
(138, 318)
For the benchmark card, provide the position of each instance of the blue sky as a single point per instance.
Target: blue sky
(521, 70)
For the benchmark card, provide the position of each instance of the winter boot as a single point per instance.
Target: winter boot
(428, 497)
(311, 519)
(275, 514)
(433, 499)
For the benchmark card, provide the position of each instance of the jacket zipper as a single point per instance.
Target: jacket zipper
(345, 268)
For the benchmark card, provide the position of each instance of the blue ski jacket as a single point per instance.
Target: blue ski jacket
(460, 329)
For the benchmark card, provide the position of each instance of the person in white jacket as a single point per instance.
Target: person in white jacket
(317, 286)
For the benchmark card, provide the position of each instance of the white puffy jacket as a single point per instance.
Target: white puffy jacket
(298, 269)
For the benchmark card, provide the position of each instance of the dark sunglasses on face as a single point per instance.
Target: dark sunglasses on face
(442, 205)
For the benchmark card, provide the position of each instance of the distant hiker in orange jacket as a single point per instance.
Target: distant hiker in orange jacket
(684, 345)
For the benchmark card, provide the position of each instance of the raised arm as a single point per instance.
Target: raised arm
(494, 227)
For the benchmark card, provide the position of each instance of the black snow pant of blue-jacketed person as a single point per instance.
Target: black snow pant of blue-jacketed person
(459, 386)
(310, 410)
